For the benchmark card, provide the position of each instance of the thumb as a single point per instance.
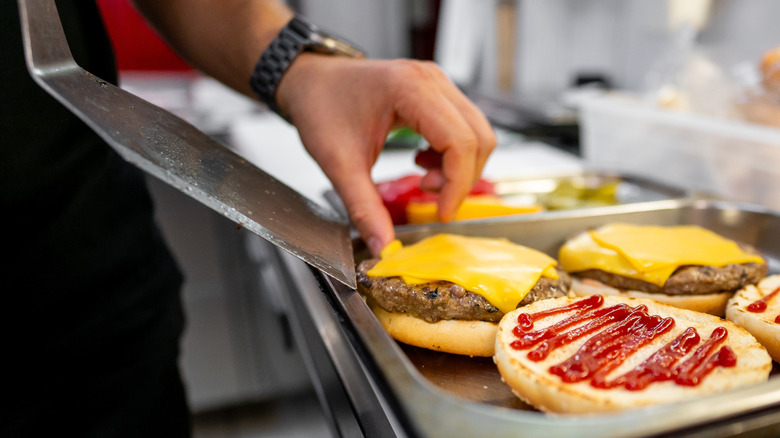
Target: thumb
(366, 210)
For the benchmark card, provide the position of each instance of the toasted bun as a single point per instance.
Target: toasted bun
(469, 338)
(761, 325)
(534, 383)
(714, 304)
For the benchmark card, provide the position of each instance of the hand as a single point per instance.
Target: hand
(344, 108)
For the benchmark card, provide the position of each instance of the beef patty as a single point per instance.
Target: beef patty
(445, 300)
(691, 279)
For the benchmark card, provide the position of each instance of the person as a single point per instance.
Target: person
(92, 314)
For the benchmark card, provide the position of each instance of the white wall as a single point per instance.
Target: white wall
(377, 26)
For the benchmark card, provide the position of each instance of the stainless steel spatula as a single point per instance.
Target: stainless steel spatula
(176, 152)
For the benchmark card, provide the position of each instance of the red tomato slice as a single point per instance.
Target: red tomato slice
(396, 194)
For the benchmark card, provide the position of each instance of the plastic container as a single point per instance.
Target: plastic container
(729, 159)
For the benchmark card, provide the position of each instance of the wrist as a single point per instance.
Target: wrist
(294, 90)
(295, 38)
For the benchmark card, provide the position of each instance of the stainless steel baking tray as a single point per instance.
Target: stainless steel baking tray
(572, 190)
(588, 188)
(447, 395)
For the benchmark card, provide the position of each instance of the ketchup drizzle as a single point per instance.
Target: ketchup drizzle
(554, 336)
(526, 320)
(620, 330)
(656, 368)
(690, 372)
(609, 348)
(760, 305)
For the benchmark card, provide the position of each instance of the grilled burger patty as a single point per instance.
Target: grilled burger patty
(690, 280)
(445, 300)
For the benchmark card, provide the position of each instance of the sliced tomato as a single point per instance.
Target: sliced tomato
(398, 193)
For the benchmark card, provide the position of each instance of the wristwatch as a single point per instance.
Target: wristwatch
(297, 36)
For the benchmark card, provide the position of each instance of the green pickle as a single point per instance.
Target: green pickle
(571, 194)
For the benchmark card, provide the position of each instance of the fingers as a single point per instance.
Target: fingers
(344, 125)
(486, 137)
(366, 210)
(460, 137)
(433, 180)
(428, 112)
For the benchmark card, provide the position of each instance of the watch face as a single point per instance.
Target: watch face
(322, 42)
(332, 46)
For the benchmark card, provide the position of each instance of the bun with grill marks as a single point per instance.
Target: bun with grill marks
(763, 321)
(585, 375)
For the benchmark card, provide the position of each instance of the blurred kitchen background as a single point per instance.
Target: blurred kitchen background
(665, 89)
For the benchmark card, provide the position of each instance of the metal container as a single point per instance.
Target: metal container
(567, 191)
(589, 188)
(397, 390)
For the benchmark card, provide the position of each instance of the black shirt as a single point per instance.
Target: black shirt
(88, 285)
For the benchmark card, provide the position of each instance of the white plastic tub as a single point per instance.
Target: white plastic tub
(730, 159)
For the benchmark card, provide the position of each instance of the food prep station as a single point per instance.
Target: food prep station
(370, 385)
(389, 389)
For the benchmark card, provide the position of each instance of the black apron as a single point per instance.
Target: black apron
(91, 317)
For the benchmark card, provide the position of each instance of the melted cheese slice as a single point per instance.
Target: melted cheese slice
(650, 253)
(500, 271)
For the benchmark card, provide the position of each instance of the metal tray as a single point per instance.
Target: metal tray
(540, 189)
(625, 189)
(439, 394)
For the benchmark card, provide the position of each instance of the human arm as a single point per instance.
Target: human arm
(343, 108)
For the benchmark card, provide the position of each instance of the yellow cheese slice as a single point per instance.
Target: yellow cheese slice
(473, 207)
(650, 253)
(497, 269)
(583, 253)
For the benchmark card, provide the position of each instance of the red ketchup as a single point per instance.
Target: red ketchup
(615, 333)
(760, 305)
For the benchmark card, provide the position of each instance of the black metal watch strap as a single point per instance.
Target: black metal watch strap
(274, 63)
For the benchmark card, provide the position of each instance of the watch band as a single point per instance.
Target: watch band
(297, 36)
(274, 62)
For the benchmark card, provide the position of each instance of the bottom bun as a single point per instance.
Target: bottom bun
(469, 338)
(761, 325)
(534, 382)
(714, 304)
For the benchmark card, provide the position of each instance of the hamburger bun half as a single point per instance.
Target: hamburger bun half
(534, 381)
(762, 325)
(465, 337)
(442, 316)
(448, 292)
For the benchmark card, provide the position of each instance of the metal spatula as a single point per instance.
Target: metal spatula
(176, 152)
